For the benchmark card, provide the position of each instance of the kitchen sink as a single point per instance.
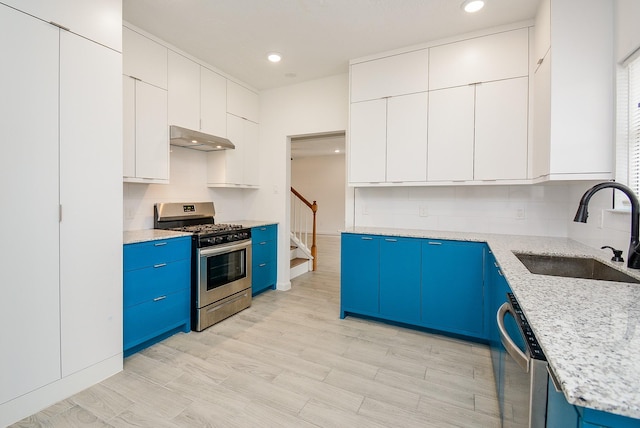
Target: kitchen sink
(572, 267)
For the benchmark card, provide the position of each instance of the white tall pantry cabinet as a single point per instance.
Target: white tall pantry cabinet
(62, 187)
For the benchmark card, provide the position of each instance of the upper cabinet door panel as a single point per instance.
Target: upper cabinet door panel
(213, 103)
(184, 92)
(394, 75)
(501, 130)
(407, 138)
(242, 102)
(482, 59)
(451, 134)
(144, 59)
(368, 142)
(97, 20)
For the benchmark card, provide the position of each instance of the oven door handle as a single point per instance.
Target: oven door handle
(224, 248)
(512, 349)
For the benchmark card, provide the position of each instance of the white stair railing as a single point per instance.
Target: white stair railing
(303, 223)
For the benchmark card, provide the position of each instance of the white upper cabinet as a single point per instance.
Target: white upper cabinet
(368, 142)
(574, 93)
(197, 96)
(242, 102)
(481, 59)
(144, 58)
(146, 134)
(542, 32)
(451, 134)
(184, 92)
(407, 138)
(500, 150)
(237, 167)
(97, 20)
(401, 74)
(213, 103)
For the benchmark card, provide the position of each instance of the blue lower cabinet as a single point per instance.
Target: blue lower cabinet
(400, 279)
(156, 291)
(264, 256)
(360, 275)
(452, 287)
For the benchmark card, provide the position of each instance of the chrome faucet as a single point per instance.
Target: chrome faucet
(633, 259)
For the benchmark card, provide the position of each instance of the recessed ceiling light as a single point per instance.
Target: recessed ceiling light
(274, 57)
(336, 151)
(194, 141)
(472, 6)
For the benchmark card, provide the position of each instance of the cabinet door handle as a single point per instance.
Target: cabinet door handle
(263, 243)
(435, 243)
(263, 228)
(496, 264)
(500, 273)
(159, 244)
(157, 299)
(391, 240)
(159, 265)
(366, 238)
(262, 265)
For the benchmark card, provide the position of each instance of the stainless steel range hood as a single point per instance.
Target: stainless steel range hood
(196, 140)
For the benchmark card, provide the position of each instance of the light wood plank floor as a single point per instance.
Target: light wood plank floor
(289, 361)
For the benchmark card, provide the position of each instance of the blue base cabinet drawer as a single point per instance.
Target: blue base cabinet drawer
(147, 254)
(145, 284)
(151, 319)
(264, 257)
(156, 291)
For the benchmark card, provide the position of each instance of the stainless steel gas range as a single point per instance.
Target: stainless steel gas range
(221, 260)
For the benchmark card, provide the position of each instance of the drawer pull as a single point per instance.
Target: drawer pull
(366, 238)
(157, 299)
(263, 228)
(496, 264)
(262, 265)
(391, 240)
(435, 243)
(263, 243)
(159, 244)
(159, 265)
(500, 272)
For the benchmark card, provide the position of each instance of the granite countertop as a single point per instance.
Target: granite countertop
(142, 235)
(588, 329)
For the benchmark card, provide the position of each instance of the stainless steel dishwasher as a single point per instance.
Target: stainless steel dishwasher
(523, 377)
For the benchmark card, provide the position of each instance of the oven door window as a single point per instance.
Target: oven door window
(225, 268)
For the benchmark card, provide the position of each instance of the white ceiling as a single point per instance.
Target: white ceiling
(318, 145)
(316, 38)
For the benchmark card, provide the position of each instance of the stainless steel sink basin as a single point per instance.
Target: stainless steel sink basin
(572, 267)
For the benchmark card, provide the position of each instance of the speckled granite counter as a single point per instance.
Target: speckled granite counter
(589, 330)
(134, 236)
(251, 223)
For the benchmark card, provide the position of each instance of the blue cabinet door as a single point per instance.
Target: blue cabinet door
(359, 274)
(400, 279)
(452, 287)
(264, 256)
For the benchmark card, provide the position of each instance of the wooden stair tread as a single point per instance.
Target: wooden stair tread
(297, 261)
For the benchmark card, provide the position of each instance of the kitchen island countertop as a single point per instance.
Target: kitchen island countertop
(588, 329)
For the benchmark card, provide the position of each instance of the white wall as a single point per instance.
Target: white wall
(188, 179)
(322, 178)
(627, 28)
(307, 108)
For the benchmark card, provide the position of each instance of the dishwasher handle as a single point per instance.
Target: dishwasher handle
(512, 349)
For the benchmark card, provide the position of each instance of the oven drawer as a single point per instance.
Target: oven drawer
(142, 285)
(222, 309)
(264, 233)
(153, 318)
(150, 253)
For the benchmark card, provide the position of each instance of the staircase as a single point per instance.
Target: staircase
(303, 223)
